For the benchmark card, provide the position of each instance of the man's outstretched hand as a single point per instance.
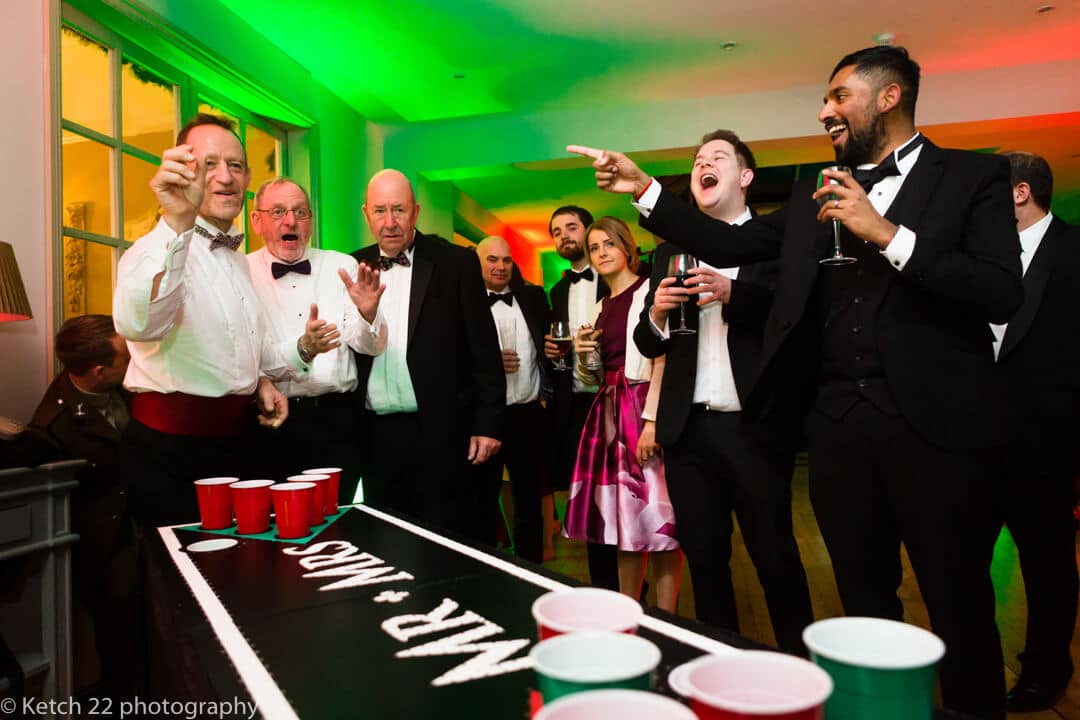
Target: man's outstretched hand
(615, 172)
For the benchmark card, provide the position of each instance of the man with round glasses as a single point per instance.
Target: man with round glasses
(296, 284)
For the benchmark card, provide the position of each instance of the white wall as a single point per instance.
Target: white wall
(25, 345)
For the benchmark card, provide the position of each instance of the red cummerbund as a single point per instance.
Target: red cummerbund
(182, 414)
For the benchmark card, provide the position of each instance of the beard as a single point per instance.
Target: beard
(862, 147)
(573, 253)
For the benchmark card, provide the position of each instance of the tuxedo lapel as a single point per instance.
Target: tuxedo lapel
(918, 188)
(1035, 279)
(422, 269)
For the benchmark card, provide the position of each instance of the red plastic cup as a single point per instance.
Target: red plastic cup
(215, 502)
(318, 502)
(332, 488)
(292, 508)
(251, 501)
(758, 684)
(586, 608)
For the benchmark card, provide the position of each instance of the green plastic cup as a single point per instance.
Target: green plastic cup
(881, 669)
(581, 661)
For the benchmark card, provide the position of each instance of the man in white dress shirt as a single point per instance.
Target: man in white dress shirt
(1038, 367)
(295, 282)
(200, 349)
(522, 317)
(714, 463)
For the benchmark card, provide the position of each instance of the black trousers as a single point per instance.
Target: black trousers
(423, 475)
(875, 483)
(161, 468)
(1038, 510)
(569, 413)
(715, 468)
(322, 431)
(524, 451)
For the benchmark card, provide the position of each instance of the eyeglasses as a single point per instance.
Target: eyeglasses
(279, 214)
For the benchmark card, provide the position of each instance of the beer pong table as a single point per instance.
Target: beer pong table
(375, 617)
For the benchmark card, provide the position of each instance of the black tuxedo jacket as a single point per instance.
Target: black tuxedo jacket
(1039, 360)
(751, 299)
(931, 327)
(453, 348)
(560, 295)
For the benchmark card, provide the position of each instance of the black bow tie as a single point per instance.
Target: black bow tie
(221, 239)
(385, 263)
(585, 274)
(507, 298)
(870, 177)
(280, 270)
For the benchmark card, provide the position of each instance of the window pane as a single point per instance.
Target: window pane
(148, 109)
(87, 184)
(140, 205)
(205, 107)
(262, 152)
(254, 242)
(89, 269)
(85, 87)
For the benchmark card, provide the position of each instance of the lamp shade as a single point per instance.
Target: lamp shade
(13, 302)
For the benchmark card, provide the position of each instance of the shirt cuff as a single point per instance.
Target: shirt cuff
(648, 199)
(175, 259)
(658, 331)
(900, 249)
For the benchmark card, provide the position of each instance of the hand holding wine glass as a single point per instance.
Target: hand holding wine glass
(838, 257)
(679, 267)
(559, 334)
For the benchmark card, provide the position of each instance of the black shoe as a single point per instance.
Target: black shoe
(1033, 695)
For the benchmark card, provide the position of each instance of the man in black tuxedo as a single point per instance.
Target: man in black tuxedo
(1038, 363)
(713, 463)
(573, 299)
(82, 415)
(522, 317)
(887, 360)
(434, 398)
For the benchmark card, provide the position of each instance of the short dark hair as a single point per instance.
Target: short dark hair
(884, 64)
(209, 119)
(583, 215)
(1032, 169)
(742, 150)
(85, 342)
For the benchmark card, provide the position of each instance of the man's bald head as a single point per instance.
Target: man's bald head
(391, 210)
(496, 264)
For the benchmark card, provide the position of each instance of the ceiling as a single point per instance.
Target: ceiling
(451, 64)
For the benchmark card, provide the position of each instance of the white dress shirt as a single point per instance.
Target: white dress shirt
(286, 304)
(204, 333)
(522, 386)
(1030, 239)
(714, 382)
(580, 308)
(390, 388)
(881, 196)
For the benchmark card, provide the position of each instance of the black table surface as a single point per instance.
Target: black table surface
(375, 617)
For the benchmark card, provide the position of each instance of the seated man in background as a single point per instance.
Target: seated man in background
(82, 415)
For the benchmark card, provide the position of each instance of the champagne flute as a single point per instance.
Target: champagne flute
(560, 335)
(679, 267)
(838, 257)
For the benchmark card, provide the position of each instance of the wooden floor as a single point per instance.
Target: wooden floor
(753, 616)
